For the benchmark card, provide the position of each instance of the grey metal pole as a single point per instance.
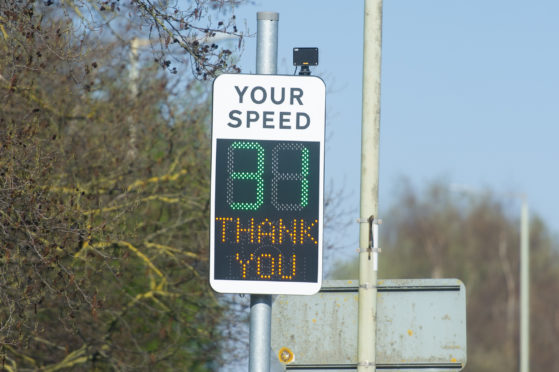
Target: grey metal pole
(267, 43)
(260, 333)
(370, 133)
(524, 288)
(261, 305)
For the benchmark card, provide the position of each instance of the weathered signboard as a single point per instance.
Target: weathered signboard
(421, 325)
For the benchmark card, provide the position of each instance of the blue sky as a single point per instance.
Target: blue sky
(469, 93)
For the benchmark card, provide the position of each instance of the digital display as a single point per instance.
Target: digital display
(266, 210)
(267, 181)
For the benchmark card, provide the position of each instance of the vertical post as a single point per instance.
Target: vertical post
(370, 132)
(260, 333)
(524, 288)
(267, 43)
(261, 305)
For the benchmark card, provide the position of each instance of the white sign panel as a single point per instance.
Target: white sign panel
(267, 184)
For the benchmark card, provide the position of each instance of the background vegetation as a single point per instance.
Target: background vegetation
(104, 185)
(437, 233)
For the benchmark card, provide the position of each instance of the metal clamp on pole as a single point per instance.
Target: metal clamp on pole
(367, 286)
(365, 363)
(372, 246)
(374, 243)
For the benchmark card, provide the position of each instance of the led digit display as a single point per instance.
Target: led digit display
(266, 210)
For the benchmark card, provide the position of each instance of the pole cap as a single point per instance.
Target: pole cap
(267, 16)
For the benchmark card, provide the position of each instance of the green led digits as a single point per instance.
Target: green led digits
(301, 177)
(250, 196)
(305, 180)
(235, 175)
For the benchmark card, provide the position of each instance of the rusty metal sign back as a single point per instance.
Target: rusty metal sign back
(421, 324)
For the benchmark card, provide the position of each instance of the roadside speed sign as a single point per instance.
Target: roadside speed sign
(267, 184)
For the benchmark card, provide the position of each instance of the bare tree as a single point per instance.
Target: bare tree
(435, 233)
(103, 257)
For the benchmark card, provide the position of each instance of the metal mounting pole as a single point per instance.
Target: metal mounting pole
(524, 288)
(261, 305)
(370, 132)
(267, 43)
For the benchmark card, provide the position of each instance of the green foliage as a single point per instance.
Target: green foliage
(475, 238)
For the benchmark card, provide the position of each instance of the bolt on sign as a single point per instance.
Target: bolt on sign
(267, 184)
